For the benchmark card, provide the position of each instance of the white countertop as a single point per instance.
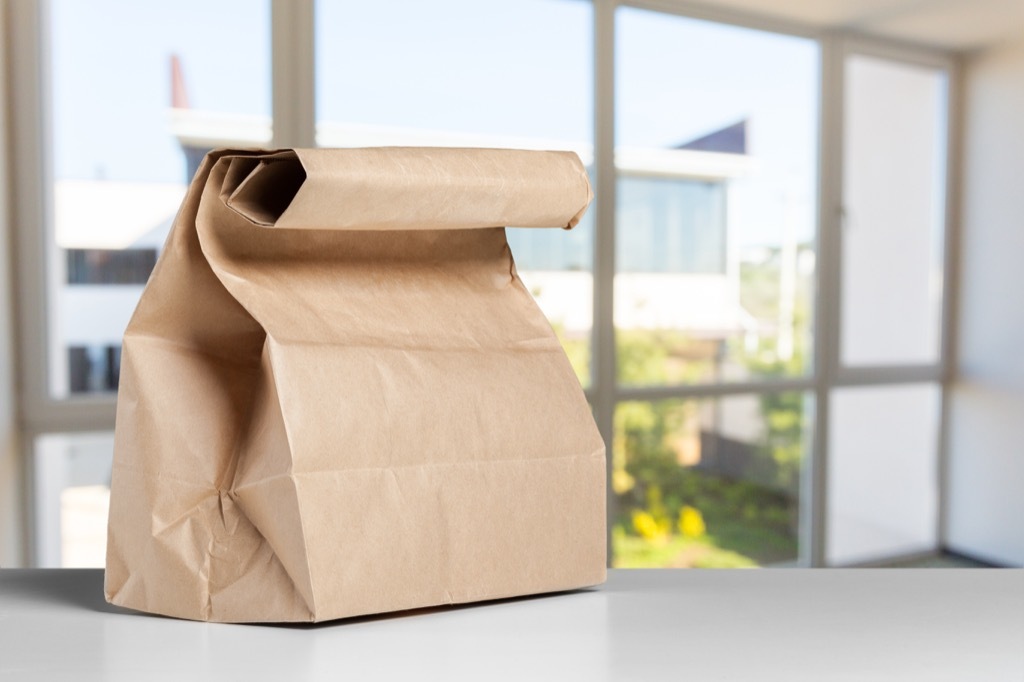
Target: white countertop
(784, 624)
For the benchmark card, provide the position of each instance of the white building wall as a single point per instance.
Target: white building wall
(985, 506)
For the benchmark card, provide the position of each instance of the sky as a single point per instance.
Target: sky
(509, 67)
(111, 79)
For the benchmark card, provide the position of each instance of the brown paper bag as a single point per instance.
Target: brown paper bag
(337, 398)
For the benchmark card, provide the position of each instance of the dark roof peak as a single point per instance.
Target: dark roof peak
(731, 139)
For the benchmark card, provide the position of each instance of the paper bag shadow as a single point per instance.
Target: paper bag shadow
(83, 589)
(412, 613)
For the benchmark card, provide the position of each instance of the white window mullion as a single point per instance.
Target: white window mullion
(293, 59)
(826, 301)
(954, 139)
(603, 344)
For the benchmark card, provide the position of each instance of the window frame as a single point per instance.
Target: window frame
(844, 44)
(294, 124)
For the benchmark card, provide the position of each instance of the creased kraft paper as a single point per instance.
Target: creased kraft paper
(337, 398)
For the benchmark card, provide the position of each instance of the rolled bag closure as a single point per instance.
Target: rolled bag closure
(406, 188)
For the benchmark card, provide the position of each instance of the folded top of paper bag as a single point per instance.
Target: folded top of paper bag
(401, 188)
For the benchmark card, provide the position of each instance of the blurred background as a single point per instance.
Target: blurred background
(790, 305)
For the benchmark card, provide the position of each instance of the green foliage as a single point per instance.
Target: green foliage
(647, 357)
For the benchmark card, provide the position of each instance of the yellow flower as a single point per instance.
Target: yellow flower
(691, 522)
(650, 528)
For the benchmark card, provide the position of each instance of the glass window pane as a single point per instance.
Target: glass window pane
(716, 201)
(893, 186)
(508, 73)
(882, 485)
(140, 91)
(709, 483)
(71, 498)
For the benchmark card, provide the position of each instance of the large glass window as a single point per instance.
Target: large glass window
(139, 92)
(716, 142)
(712, 387)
